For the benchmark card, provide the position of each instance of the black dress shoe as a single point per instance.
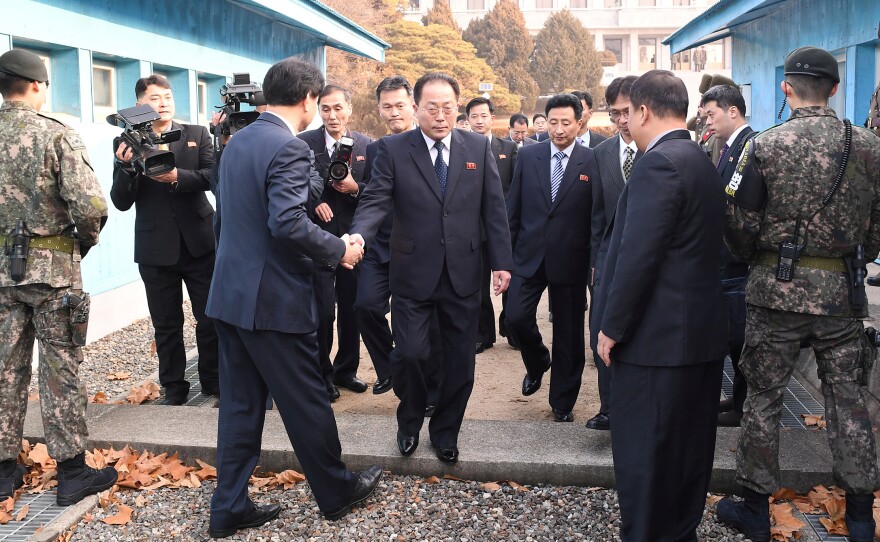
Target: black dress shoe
(211, 390)
(482, 347)
(600, 421)
(407, 444)
(332, 392)
(731, 418)
(429, 410)
(257, 517)
(447, 455)
(873, 281)
(354, 384)
(173, 401)
(563, 415)
(531, 385)
(381, 386)
(725, 405)
(366, 483)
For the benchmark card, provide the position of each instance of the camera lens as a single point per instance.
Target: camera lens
(338, 171)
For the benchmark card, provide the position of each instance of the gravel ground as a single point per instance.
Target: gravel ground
(404, 508)
(127, 350)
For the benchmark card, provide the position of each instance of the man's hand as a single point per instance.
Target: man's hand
(123, 152)
(170, 177)
(592, 276)
(353, 253)
(500, 281)
(604, 347)
(323, 212)
(347, 185)
(358, 238)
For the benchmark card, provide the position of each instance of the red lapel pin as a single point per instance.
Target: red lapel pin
(471, 165)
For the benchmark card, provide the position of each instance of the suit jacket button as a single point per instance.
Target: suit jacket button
(445, 214)
(442, 241)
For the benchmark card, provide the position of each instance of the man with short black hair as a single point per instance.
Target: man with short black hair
(587, 137)
(664, 338)
(336, 289)
(481, 114)
(725, 114)
(519, 130)
(173, 239)
(267, 322)
(539, 121)
(461, 122)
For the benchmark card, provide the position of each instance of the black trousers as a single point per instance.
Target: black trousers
(486, 322)
(735, 299)
(164, 288)
(568, 357)
(663, 445)
(371, 307)
(254, 364)
(603, 373)
(411, 320)
(335, 293)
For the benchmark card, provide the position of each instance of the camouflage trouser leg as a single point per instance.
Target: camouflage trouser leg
(16, 349)
(62, 400)
(772, 346)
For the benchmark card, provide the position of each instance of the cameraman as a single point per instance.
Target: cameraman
(173, 239)
(334, 213)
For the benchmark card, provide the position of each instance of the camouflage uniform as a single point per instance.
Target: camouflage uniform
(46, 181)
(799, 161)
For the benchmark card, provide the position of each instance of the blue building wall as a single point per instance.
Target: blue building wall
(847, 28)
(191, 41)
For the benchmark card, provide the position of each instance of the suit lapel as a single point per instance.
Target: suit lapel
(456, 163)
(611, 156)
(422, 159)
(574, 166)
(730, 160)
(543, 174)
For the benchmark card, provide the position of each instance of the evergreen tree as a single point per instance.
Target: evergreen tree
(441, 13)
(565, 56)
(502, 40)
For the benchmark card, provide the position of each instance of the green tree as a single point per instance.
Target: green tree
(441, 13)
(416, 50)
(502, 40)
(565, 56)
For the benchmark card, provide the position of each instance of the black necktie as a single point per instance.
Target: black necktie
(440, 167)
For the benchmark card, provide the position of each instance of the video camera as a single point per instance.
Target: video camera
(242, 90)
(137, 125)
(339, 162)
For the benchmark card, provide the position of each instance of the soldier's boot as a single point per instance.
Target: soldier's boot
(751, 516)
(11, 477)
(76, 481)
(859, 517)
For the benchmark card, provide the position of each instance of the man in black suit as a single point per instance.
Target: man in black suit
(725, 113)
(549, 217)
(442, 186)
(539, 122)
(481, 115)
(263, 302)
(519, 130)
(397, 109)
(336, 289)
(173, 240)
(664, 338)
(615, 158)
(585, 136)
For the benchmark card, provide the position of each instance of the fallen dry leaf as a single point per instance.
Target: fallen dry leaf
(514, 485)
(784, 494)
(784, 525)
(491, 486)
(712, 500)
(99, 398)
(8, 505)
(206, 472)
(147, 391)
(23, 512)
(289, 478)
(121, 517)
(5, 517)
(804, 505)
(140, 501)
(432, 480)
(453, 477)
(39, 454)
(119, 375)
(834, 526)
(813, 420)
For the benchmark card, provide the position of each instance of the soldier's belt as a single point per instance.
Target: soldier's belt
(51, 242)
(810, 262)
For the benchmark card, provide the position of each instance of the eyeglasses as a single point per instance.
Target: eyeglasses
(432, 110)
(617, 114)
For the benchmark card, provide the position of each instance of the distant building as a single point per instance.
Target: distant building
(631, 29)
(763, 32)
(96, 50)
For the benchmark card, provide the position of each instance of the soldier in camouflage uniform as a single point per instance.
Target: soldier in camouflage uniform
(46, 185)
(781, 180)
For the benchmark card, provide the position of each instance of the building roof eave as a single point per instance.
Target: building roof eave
(719, 21)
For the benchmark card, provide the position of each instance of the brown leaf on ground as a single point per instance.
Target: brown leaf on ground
(784, 525)
(813, 420)
(23, 512)
(119, 375)
(432, 480)
(88, 518)
(147, 391)
(206, 472)
(452, 477)
(804, 505)
(175, 468)
(8, 505)
(5, 517)
(836, 507)
(39, 455)
(712, 500)
(784, 494)
(106, 498)
(121, 517)
(514, 485)
(289, 478)
(834, 526)
(140, 501)
(99, 398)
(491, 486)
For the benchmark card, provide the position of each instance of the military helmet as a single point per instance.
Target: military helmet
(812, 61)
(24, 64)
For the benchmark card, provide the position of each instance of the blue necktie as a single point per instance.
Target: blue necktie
(721, 156)
(440, 167)
(556, 177)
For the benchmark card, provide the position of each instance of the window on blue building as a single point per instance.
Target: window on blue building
(103, 89)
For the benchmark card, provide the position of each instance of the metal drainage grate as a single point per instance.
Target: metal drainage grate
(796, 401)
(813, 520)
(195, 397)
(42, 510)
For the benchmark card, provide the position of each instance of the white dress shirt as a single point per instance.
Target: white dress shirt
(433, 152)
(554, 149)
(284, 120)
(623, 146)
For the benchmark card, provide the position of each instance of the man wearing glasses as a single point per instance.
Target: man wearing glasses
(441, 185)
